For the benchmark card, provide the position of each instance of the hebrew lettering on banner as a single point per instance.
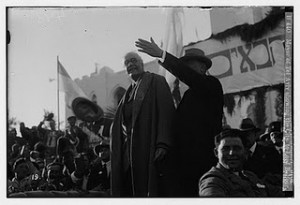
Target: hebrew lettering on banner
(245, 65)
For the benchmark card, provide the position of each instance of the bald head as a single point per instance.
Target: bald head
(134, 65)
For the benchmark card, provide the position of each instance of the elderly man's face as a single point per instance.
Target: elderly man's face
(231, 153)
(134, 65)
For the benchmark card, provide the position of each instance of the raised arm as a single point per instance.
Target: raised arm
(174, 65)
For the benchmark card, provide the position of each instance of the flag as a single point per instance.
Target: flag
(173, 38)
(173, 43)
(69, 87)
(183, 26)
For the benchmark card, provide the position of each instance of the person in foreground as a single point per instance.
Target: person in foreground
(198, 116)
(141, 136)
(228, 178)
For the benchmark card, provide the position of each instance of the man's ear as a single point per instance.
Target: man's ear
(216, 152)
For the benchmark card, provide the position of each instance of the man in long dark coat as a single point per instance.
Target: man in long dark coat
(141, 135)
(198, 116)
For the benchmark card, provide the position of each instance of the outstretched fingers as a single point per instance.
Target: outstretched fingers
(142, 45)
(143, 41)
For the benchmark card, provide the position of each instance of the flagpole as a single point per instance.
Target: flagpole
(58, 123)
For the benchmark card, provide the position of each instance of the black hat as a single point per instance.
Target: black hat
(61, 166)
(274, 127)
(71, 118)
(264, 137)
(98, 147)
(196, 54)
(248, 125)
(81, 102)
(18, 162)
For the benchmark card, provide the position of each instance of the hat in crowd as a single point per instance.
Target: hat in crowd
(40, 147)
(264, 137)
(80, 104)
(15, 148)
(274, 127)
(248, 125)
(61, 166)
(71, 118)
(196, 54)
(18, 162)
(101, 145)
(34, 155)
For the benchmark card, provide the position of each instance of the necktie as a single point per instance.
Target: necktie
(132, 92)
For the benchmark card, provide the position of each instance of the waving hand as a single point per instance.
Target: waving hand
(151, 48)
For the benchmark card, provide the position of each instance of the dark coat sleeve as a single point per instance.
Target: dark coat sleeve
(212, 186)
(187, 75)
(205, 86)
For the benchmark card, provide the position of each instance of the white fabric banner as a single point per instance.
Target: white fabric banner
(241, 66)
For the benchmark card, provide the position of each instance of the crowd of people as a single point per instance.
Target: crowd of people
(46, 159)
(152, 149)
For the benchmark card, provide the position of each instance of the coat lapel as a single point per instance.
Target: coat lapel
(143, 86)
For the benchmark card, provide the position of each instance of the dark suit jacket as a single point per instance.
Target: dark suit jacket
(198, 119)
(264, 160)
(220, 182)
(98, 175)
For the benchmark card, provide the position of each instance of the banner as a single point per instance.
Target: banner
(242, 66)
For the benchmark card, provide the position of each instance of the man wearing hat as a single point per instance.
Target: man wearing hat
(198, 116)
(91, 115)
(93, 174)
(141, 133)
(263, 160)
(103, 152)
(276, 135)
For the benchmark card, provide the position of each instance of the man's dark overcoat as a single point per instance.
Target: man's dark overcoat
(153, 110)
(198, 119)
(265, 161)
